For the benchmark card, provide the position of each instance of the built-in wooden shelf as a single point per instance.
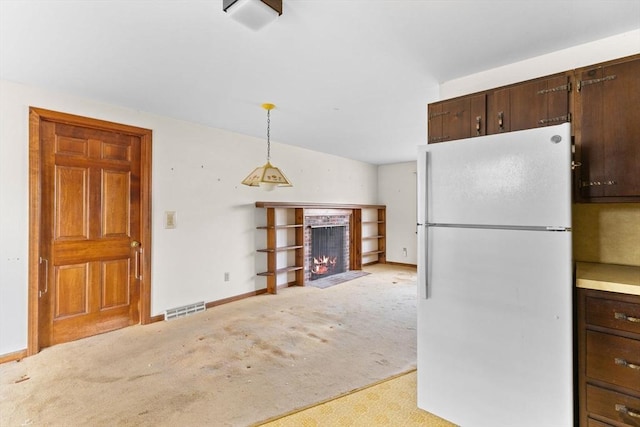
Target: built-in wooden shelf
(372, 253)
(311, 205)
(281, 249)
(296, 243)
(278, 227)
(281, 270)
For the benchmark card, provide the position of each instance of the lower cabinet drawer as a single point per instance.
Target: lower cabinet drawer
(613, 314)
(613, 359)
(595, 423)
(613, 406)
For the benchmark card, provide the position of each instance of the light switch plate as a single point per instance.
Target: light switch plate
(170, 220)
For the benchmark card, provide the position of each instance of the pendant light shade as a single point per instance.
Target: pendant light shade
(267, 176)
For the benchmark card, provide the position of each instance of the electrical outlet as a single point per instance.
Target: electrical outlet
(226, 276)
(404, 252)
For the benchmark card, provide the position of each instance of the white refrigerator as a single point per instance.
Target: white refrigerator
(495, 342)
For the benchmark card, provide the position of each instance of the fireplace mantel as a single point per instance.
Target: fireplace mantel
(367, 236)
(311, 205)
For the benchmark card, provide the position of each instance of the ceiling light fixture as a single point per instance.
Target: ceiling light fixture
(255, 14)
(267, 176)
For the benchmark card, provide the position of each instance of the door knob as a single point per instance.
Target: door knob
(135, 244)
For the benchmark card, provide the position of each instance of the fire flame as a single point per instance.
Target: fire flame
(323, 264)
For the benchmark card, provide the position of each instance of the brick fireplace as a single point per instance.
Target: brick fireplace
(322, 259)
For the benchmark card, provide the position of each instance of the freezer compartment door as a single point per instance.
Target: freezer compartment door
(495, 335)
(513, 179)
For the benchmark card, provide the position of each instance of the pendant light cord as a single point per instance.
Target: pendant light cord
(268, 135)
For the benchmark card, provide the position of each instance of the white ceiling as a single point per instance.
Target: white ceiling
(349, 77)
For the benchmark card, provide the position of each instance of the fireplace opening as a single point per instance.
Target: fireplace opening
(327, 251)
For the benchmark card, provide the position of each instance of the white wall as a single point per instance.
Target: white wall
(602, 50)
(197, 173)
(397, 190)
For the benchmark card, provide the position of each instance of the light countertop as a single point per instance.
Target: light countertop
(608, 277)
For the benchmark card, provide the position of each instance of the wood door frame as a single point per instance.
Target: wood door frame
(36, 116)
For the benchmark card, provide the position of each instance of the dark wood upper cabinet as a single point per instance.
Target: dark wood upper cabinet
(498, 114)
(527, 105)
(543, 102)
(603, 103)
(457, 118)
(535, 103)
(607, 131)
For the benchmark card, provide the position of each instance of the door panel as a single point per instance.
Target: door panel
(116, 205)
(115, 291)
(71, 289)
(71, 203)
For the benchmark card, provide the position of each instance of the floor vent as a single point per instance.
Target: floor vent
(184, 310)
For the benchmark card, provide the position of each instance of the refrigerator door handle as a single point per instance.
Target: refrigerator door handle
(427, 269)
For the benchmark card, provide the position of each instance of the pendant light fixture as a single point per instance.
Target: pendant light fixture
(254, 14)
(267, 176)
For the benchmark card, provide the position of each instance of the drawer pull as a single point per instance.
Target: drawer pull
(624, 410)
(623, 362)
(622, 316)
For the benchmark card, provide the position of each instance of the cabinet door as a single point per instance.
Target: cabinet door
(478, 108)
(528, 105)
(452, 119)
(457, 118)
(557, 95)
(434, 126)
(498, 117)
(539, 103)
(608, 131)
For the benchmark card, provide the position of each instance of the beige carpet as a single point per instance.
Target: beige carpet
(389, 403)
(233, 365)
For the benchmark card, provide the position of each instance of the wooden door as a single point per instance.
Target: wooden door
(93, 229)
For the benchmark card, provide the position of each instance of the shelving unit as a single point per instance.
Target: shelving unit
(380, 236)
(280, 239)
(273, 249)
